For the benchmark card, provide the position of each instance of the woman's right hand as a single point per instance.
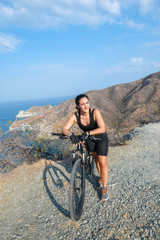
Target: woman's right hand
(74, 139)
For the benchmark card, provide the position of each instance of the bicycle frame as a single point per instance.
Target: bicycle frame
(84, 156)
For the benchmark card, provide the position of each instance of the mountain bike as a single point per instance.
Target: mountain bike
(82, 162)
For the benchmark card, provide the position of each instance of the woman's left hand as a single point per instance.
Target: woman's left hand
(83, 137)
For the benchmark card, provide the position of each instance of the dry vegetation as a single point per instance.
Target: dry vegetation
(17, 147)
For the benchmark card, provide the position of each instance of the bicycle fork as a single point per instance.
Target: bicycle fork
(83, 168)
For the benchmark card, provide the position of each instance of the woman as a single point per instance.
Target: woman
(91, 122)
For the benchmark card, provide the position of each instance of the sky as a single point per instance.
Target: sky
(52, 48)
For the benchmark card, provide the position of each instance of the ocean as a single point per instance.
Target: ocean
(9, 110)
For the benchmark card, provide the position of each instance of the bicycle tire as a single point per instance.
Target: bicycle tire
(92, 166)
(77, 190)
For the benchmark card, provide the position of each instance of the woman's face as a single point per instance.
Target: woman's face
(84, 104)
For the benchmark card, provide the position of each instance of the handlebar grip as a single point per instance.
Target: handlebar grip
(61, 135)
(57, 134)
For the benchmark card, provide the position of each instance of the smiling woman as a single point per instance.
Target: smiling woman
(91, 122)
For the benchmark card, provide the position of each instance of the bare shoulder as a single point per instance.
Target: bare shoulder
(70, 122)
(73, 118)
(96, 112)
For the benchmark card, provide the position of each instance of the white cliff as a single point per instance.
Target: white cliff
(33, 111)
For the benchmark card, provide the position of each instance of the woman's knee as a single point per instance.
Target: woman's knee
(103, 161)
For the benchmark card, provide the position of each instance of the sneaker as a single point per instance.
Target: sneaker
(99, 183)
(105, 195)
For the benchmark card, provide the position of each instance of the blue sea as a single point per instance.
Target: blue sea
(9, 110)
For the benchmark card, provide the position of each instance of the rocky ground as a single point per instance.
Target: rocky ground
(34, 198)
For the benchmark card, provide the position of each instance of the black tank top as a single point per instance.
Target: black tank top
(91, 126)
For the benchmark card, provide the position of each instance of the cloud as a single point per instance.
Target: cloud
(54, 14)
(140, 62)
(135, 64)
(8, 43)
(79, 69)
(156, 64)
(146, 5)
(111, 6)
(152, 44)
(133, 24)
(136, 60)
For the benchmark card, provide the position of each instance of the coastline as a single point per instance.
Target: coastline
(9, 110)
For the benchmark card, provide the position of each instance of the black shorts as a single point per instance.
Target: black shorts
(100, 145)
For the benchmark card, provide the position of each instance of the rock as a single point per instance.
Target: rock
(33, 111)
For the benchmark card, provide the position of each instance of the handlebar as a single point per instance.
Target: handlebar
(56, 134)
(61, 135)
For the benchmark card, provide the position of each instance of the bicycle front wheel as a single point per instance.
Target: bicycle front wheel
(77, 190)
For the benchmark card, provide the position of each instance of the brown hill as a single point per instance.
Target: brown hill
(123, 107)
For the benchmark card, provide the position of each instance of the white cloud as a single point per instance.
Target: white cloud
(152, 44)
(140, 63)
(156, 64)
(136, 64)
(133, 24)
(137, 60)
(54, 13)
(8, 43)
(111, 6)
(146, 5)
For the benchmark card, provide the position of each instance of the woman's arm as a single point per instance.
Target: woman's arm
(68, 125)
(100, 122)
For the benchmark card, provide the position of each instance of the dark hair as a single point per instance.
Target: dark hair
(77, 99)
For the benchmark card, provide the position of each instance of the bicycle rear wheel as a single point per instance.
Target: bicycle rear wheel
(77, 190)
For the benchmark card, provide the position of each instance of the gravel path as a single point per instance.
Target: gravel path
(34, 199)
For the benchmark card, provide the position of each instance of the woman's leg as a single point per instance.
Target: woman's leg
(102, 167)
(97, 162)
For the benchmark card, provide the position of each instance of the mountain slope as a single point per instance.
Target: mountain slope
(123, 107)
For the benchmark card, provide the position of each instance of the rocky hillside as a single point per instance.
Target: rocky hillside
(34, 198)
(123, 107)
